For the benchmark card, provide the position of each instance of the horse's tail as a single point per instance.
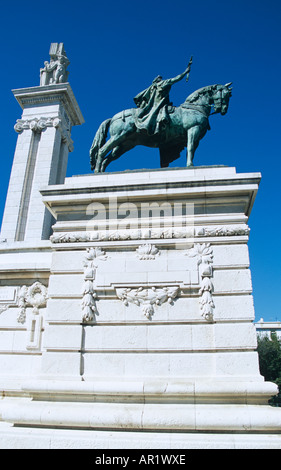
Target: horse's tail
(99, 141)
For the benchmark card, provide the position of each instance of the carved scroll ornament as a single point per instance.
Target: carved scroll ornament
(39, 125)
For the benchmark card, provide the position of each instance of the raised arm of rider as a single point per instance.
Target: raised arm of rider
(180, 77)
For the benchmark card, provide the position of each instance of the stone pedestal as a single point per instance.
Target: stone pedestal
(146, 335)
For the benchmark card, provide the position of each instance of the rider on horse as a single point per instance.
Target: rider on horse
(154, 101)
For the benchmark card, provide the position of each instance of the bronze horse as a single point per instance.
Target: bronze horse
(186, 126)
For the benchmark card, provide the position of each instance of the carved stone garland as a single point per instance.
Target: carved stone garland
(204, 254)
(147, 297)
(34, 296)
(89, 295)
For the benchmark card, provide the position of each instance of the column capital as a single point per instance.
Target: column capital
(40, 124)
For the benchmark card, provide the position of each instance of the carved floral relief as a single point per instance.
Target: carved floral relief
(147, 251)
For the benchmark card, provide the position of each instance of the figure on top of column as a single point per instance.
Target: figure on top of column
(55, 70)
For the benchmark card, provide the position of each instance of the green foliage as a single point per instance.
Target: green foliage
(269, 350)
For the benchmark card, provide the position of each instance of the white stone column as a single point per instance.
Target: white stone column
(40, 159)
(16, 186)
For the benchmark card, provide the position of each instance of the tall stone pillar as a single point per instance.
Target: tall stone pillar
(44, 141)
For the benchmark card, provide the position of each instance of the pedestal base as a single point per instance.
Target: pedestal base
(144, 335)
(39, 438)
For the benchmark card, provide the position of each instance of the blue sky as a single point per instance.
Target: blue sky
(117, 48)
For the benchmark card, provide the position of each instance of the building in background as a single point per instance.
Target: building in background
(265, 328)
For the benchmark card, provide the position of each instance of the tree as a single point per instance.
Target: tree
(269, 350)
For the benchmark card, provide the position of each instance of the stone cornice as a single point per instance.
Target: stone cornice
(42, 95)
(148, 234)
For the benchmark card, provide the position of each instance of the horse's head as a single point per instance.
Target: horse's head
(216, 96)
(221, 96)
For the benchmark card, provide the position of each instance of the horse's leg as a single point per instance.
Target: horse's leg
(193, 138)
(116, 153)
(103, 151)
(113, 142)
(106, 162)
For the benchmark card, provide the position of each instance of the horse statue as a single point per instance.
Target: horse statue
(185, 127)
